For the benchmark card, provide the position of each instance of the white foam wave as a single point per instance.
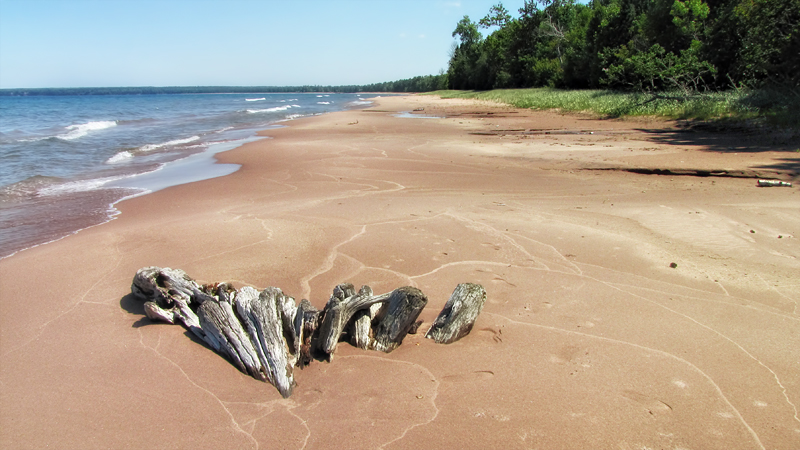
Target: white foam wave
(77, 186)
(120, 157)
(82, 129)
(360, 102)
(291, 117)
(319, 96)
(323, 103)
(33, 139)
(255, 99)
(275, 109)
(151, 147)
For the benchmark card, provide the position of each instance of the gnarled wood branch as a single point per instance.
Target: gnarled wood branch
(170, 294)
(340, 309)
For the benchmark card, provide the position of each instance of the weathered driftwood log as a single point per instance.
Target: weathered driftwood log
(305, 322)
(361, 326)
(225, 334)
(404, 306)
(459, 314)
(170, 294)
(259, 312)
(265, 334)
(341, 307)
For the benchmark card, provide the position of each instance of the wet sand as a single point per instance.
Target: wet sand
(589, 338)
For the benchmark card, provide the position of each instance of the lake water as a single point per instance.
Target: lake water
(66, 160)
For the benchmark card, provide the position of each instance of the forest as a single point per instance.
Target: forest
(642, 45)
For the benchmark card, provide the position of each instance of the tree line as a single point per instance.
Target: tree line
(416, 84)
(645, 45)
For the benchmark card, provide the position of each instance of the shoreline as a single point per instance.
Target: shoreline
(50, 202)
(589, 338)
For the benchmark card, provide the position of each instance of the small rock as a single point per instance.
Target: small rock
(673, 265)
(753, 231)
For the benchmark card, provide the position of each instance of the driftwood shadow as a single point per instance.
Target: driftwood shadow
(134, 306)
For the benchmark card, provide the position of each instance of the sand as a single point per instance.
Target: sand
(589, 338)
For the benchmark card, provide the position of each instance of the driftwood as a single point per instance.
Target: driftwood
(170, 294)
(459, 314)
(263, 318)
(339, 311)
(266, 334)
(405, 304)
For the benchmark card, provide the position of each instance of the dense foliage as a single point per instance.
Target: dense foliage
(684, 46)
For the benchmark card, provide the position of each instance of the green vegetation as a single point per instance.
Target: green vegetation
(752, 106)
(733, 60)
(679, 46)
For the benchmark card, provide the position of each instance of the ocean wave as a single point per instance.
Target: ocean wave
(275, 109)
(323, 103)
(360, 102)
(120, 157)
(291, 117)
(78, 186)
(27, 187)
(82, 129)
(151, 147)
(255, 99)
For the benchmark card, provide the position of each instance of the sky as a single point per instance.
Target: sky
(100, 43)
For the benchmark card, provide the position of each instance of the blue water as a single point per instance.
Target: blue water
(65, 160)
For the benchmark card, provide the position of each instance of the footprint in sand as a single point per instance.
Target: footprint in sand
(490, 334)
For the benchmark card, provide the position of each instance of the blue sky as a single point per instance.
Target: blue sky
(81, 43)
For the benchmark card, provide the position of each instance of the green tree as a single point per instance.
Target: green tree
(769, 51)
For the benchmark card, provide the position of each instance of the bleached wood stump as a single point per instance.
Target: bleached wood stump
(266, 333)
(459, 314)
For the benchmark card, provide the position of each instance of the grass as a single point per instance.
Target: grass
(779, 108)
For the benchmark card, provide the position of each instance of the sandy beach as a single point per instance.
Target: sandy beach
(642, 291)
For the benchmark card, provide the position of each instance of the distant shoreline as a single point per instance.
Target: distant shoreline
(153, 90)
